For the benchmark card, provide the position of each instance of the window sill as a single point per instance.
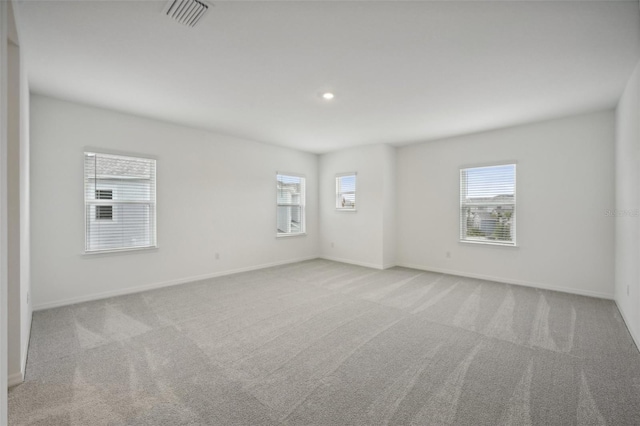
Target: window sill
(488, 243)
(299, 234)
(118, 251)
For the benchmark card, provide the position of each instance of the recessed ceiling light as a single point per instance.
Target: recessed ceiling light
(328, 96)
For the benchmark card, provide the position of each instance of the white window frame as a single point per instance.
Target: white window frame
(113, 202)
(301, 204)
(465, 205)
(339, 194)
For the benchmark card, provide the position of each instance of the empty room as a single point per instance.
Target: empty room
(319, 212)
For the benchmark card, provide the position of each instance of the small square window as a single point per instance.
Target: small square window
(346, 191)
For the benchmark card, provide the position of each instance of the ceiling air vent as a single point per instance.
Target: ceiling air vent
(187, 12)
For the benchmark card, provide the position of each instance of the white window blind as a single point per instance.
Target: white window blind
(346, 191)
(290, 205)
(488, 204)
(120, 202)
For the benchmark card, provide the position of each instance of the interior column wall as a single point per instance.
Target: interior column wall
(26, 310)
(389, 206)
(18, 196)
(13, 206)
(3, 210)
(366, 236)
(627, 209)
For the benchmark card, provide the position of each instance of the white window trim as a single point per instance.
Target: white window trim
(155, 246)
(485, 242)
(355, 191)
(488, 243)
(284, 235)
(303, 207)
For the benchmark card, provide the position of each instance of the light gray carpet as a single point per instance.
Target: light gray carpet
(324, 343)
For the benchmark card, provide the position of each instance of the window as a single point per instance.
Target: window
(120, 202)
(346, 191)
(488, 204)
(290, 205)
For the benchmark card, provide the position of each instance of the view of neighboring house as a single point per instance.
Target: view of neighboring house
(490, 217)
(119, 202)
(346, 191)
(290, 200)
(348, 201)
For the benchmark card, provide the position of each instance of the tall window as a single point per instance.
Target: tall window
(290, 205)
(346, 191)
(120, 202)
(488, 204)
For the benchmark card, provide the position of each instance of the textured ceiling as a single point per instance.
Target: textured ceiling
(402, 72)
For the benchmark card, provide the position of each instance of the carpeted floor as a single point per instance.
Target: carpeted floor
(324, 343)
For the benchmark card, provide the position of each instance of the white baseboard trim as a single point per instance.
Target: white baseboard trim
(354, 262)
(145, 287)
(632, 331)
(138, 289)
(15, 378)
(510, 281)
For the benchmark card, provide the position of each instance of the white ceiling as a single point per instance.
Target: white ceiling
(402, 72)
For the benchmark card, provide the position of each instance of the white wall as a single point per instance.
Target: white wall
(627, 234)
(3, 210)
(362, 236)
(19, 265)
(565, 182)
(216, 194)
(14, 251)
(389, 206)
(26, 310)
(13, 210)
